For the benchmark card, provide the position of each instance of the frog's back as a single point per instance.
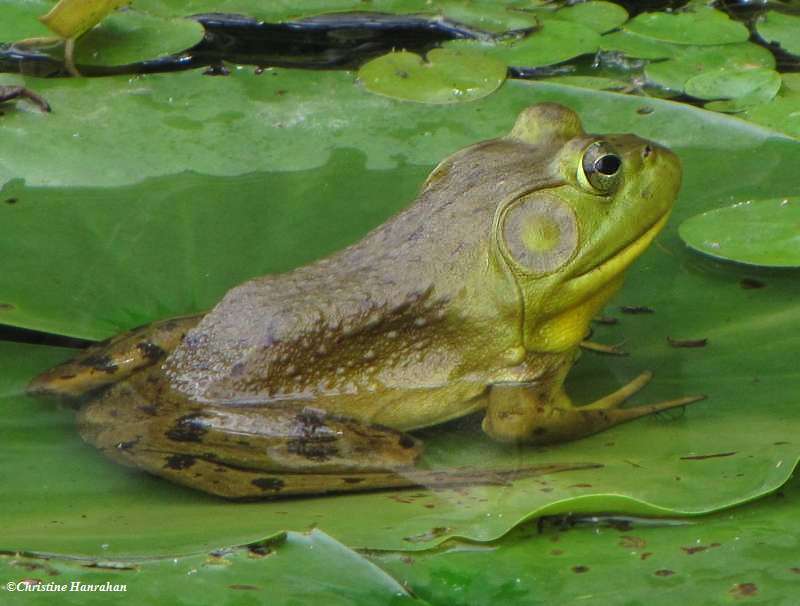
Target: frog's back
(377, 313)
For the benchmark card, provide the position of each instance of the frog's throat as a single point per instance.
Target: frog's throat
(617, 263)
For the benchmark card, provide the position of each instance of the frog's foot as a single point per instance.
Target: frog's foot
(10, 93)
(522, 413)
(113, 360)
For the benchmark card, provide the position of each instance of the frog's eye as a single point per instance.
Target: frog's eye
(600, 168)
(540, 233)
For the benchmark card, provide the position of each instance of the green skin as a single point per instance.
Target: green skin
(476, 297)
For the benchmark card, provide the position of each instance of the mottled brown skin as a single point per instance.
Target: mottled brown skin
(476, 297)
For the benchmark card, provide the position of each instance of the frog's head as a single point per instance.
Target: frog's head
(567, 244)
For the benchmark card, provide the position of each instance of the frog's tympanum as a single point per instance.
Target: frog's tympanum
(474, 298)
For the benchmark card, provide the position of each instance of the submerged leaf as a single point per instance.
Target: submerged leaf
(759, 84)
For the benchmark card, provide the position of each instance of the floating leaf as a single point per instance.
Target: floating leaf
(486, 17)
(131, 36)
(20, 20)
(761, 85)
(555, 42)
(765, 233)
(444, 76)
(748, 554)
(640, 47)
(72, 18)
(702, 26)
(782, 29)
(693, 60)
(93, 247)
(594, 14)
(308, 568)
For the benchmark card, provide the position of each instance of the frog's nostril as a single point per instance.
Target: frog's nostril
(647, 151)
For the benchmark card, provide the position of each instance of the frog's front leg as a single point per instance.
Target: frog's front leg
(542, 413)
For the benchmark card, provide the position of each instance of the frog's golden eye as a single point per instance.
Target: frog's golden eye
(540, 233)
(600, 168)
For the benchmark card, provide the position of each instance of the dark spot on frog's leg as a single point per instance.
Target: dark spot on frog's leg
(100, 363)
(179, 461)
(151, 351)
(11, 200)
(148, 409)
(540, 431)
(406, 441)
(265, 484)
(580, 569)
(353, 480)
(318, 449)
(189, 428)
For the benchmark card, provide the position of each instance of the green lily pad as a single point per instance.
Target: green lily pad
(782, 29)
(701, 26)
(594, 14)
(309, 568)
(761, 85)
(96, 247)
(694, 60)
(780, 113)
(640, 47)
(487, 17)
(765, 233)
(555, 42)
(747, 555)
(129, 37)
(444, 76)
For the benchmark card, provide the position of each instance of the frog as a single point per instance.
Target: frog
(474, 299)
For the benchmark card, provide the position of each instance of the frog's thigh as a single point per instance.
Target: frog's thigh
(246, 451)
(541, 414)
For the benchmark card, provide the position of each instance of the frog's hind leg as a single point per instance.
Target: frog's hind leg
(114, 359)
(244, 452)
(529, 413)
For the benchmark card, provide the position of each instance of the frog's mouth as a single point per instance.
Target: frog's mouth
(618, 262)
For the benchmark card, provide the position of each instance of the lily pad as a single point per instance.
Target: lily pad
(765, 233)
(781, 113)
(701, 26)
(486, 17)
(309, 568)
(94, 248)
(556, 41)
(640, 47)
(782, 29)
(747, 555)
(694, 60)
(760, 84)
(20, 20)
(594, 14)
(130, 37)
(444, 76)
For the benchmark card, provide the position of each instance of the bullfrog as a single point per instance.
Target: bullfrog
(476, 297)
